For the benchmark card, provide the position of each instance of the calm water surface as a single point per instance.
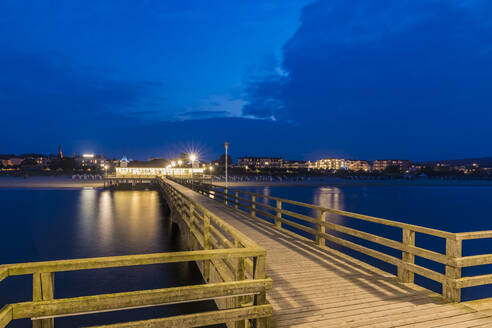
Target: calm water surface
(454, 209)
(38, 225)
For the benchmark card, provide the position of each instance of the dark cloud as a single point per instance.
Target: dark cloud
(400, 70)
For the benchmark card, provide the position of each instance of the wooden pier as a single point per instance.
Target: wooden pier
(317, 286)
(267, 265)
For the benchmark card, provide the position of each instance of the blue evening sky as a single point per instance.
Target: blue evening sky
(299, 79)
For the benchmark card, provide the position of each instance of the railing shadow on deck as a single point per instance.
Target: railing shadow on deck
(375, 283)
(214, 244)
(323, 231)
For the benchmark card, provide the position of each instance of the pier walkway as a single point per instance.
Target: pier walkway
(320, 287)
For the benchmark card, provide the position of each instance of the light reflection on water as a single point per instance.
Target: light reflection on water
(67, 224)
(329, 197)
(112, 222)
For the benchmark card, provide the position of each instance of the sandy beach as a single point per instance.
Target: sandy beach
(64, 182)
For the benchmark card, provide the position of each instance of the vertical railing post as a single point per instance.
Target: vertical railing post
(259, 272)
(408, 239)
(236, 200)
(278, 217)
(320, 240)
(451, 291)
(206, 245)
(43, 289)
(191, 240)
(240, 275)
(253, 205)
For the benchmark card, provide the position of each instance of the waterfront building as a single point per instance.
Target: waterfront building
(14, 161)
(124, 161)
(42, 161)
(260, 162)
(383, 164)
(357, 165)
(129, 172)
(329, 164)
(91, 161)
(295, 165)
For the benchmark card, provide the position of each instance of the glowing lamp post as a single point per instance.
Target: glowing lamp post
(192, 159)
(105, 174)
(226, 145)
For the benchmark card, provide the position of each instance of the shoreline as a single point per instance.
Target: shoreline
(63, 182)
(66, 182)
(357, 183)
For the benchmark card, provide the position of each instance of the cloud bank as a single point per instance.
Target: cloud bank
(396, 73)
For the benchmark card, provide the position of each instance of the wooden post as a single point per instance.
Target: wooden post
(408, 239)
(259, 272)
(190, 234)
(236, 199)
(206, 245)
(43, 289)
(321, 228)
(253, 205)
(278, 223)
(450, 291)
(240, 266)
(225, 196)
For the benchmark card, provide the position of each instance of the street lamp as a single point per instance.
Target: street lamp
(180, 162)
(226, 145)
(192, 159)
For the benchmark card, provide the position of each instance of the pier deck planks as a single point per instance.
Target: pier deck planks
(313, 287)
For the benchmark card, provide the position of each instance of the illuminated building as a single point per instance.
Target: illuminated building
(382, 164)
(127, 172)
(295, 165)
(12, 161)
(91, 161)
(357, 165)
(260, 162)
(329, 164)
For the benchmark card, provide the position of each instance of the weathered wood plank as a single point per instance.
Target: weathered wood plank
(6, 315)
(116, 301)
(130, 260)
(4, 272)
(199, 319)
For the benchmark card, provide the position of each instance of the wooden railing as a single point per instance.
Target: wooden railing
(322, 230)
(243, 291)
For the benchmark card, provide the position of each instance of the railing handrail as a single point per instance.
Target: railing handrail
(393, 223)
(16, 269)
(244, 239)
(468, 235)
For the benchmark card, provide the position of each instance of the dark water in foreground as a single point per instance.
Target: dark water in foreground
(38, 225)
(449, 208)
